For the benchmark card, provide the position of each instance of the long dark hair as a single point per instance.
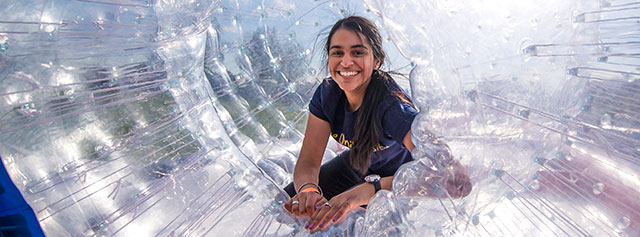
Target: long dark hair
(368, 124)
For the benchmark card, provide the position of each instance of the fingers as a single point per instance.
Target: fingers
(293, 206)
(321, 216)
(302, 204)
(296, 209)
(327, 213)
(458, 185)
(302, 208)
(287, 205)
(339, 213)
(466, 188)
(453, 187)
(309, 207)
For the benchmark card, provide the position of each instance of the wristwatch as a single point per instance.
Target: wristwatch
(375, 180)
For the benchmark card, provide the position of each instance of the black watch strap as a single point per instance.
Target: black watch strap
(376, 184)
(375, 180)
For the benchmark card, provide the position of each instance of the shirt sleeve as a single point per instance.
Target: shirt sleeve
(397, 119)
(315, 106)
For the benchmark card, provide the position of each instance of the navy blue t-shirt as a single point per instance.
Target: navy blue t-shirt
(329, 103)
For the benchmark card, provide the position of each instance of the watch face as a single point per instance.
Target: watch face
(372, 178)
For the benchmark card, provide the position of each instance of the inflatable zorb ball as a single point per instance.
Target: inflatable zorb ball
(184, 117)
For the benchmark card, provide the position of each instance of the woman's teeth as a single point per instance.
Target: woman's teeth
(348, 74)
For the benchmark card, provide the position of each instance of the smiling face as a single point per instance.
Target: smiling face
(351, 61)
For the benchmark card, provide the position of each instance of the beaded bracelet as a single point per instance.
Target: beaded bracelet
(314, 184)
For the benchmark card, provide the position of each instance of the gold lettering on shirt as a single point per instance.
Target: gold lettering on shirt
(348, 143)
(380, 147)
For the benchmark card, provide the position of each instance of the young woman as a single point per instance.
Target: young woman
(363, 108)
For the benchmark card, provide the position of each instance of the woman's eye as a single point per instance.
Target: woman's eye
(336, 53)
(358, 53)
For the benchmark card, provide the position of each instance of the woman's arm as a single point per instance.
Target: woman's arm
(352, 198)
(406, 141)
(308, 165)
(458, 185)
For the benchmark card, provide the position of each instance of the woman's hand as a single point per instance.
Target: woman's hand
(335, 208)
(458, 183)
(304, 204)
